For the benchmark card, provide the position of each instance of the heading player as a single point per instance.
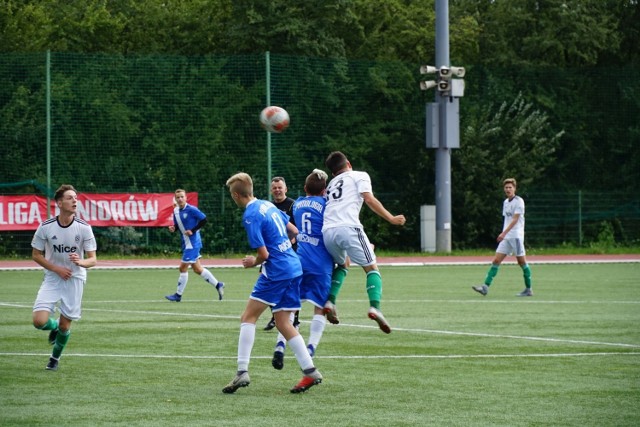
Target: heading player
(344, 235)
(317, 263)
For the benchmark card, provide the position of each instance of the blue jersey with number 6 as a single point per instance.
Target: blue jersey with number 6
(309, 214)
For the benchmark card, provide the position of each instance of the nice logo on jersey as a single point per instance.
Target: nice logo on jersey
(65, 249)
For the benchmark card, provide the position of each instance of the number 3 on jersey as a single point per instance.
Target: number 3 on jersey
(335, 192)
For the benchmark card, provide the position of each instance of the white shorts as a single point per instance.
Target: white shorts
(67, 292)
(511, 247)
(351, 241)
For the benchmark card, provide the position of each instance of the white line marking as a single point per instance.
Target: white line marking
(114, 265)
(409, 356)
(351, 325)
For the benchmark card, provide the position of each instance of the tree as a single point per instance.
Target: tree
(512, 139)
(558, 33)
(315, 28)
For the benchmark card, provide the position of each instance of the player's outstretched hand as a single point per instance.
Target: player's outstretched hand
(398, 220)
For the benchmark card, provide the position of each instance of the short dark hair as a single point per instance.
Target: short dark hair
(59, 194)
(279, 179)
(336, 161)
(316, 182)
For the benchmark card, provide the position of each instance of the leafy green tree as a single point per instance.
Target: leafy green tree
(185, 27)
(628, 14)
(22, 112)
(404, 30)
(559, 33)
(24, 26)
(512, 139)
(315, 28)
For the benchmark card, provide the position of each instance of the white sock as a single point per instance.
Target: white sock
(317, 328)
(245, 345)
(302, 354)
(281, 339)
(209, 277)
(182, 282)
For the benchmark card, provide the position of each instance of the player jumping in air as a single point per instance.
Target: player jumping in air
(317, 263)
(344, 235)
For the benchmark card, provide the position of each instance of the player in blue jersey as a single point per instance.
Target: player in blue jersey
(269, 232)
(317, 263)
(285, 204)
(189, 220)
(65, 246)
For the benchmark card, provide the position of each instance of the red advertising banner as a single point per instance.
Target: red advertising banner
(99, 210)
(22, 212)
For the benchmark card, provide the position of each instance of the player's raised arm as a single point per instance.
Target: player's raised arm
(376, 206)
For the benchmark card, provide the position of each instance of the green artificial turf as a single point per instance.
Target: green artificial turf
(568, 356)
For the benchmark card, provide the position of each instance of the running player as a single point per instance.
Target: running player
(65, 247)
(278, 286)
(189, 220)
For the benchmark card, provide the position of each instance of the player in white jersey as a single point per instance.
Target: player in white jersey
(344, 236)
(65, 246)
(511, 240)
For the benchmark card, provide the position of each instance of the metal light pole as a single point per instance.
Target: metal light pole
(268, 96)
(443, 153)
(443, 122)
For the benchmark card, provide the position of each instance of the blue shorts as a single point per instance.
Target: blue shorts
(280, 295)
(189, 256)
(315, 288)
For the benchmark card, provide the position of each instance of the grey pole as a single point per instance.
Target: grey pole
(48, 101)
(443, 152)
(268, 96)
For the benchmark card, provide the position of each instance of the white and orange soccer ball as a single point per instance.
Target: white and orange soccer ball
(274, 119)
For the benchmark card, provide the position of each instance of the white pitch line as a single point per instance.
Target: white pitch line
(519, 337)
(409, 356)
(355, 301)
(104, 265)
(397, 329)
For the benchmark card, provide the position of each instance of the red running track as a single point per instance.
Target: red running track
(135, 263)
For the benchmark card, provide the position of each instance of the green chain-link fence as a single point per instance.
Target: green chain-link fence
(117, 124)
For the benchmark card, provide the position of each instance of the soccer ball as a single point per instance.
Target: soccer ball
(274, 119)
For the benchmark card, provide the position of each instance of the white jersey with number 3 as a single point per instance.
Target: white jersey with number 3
(344, 199)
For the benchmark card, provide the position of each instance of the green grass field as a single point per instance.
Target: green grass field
(569, 356)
